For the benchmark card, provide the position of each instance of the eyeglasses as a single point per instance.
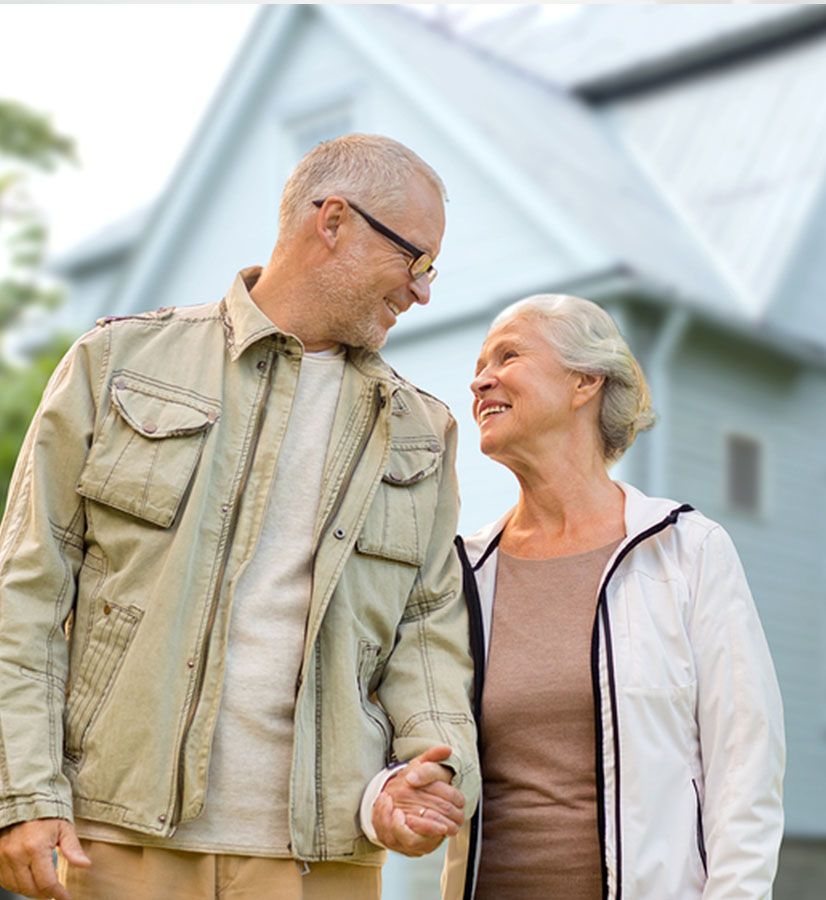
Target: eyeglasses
(421, 266)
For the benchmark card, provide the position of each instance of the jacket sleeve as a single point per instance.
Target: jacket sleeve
(427, 684)
(41, 551)
(740, 721)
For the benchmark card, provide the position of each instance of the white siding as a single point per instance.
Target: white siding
(718, 388)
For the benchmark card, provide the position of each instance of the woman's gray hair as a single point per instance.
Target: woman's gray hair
(586, 339)
(369, 169)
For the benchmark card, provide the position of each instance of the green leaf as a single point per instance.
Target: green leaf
(29, 136)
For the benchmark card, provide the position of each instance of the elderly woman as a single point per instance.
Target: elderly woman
(631, 728)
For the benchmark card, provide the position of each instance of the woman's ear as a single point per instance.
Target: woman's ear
(586, 387)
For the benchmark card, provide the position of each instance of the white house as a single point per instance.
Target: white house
(666, 161)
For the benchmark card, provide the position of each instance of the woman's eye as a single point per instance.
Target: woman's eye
(509, 354)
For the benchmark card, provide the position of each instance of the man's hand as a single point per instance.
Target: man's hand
(418, 807)
(26, 863)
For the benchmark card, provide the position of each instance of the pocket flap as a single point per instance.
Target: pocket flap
(411, 463)
(157, 412)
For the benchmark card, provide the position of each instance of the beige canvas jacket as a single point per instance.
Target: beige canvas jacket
(137, 501)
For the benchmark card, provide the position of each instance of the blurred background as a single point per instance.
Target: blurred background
(667, 161)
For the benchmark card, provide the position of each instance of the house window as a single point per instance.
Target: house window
(744, 462)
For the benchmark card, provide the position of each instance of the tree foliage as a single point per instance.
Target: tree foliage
(28, 144)
(20, 391)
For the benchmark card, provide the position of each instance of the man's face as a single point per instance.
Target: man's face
(370, 285)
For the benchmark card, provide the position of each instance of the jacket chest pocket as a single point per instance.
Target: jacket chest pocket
(400, 518)
(148, 449)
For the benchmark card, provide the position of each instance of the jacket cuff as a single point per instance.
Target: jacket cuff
(14, 811)
(369, 797)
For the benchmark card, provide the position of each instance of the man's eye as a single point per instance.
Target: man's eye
(509, 354)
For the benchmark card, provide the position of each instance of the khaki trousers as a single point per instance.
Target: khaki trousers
(129, 872)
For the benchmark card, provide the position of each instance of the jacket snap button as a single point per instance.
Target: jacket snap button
(395, 476)
(262, 365)
(339, 533)
(191, 663)
(434, 448)
(150, 427)
(120, 385)
(106, 609)
(161, 819)
(212, 416)
(225, 508)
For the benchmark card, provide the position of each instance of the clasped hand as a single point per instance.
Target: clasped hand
(418, 807)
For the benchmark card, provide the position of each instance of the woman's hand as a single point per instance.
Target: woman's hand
(418, 807)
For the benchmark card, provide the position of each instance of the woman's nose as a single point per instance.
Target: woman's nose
(481, 383)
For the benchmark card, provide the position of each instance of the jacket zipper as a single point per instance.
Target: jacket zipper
(477, 646)
(379, 403)
(602, 611)
(217, 592)
(701, 843)
(377, 407)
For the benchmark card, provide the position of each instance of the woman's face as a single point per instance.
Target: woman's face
(522, 394)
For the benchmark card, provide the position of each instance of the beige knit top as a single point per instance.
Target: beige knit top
(539, 836)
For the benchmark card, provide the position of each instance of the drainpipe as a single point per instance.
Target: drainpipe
(659, 370)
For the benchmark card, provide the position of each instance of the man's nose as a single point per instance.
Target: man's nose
(420, 287)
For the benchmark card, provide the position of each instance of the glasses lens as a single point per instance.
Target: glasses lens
(423, 266)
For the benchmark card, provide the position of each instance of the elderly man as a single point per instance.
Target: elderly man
(228, 593)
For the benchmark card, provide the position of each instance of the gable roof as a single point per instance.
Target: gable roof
(606, 49)
(722, 110)
(601, 183)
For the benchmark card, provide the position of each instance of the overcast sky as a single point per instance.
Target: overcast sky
(128, 81)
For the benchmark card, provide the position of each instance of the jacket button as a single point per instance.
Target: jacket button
(339, 533)
(262, 364)
(212, 416)
(161, 819)
(225, 508)
(191, 663)
(106, 609)
(150, 427)
(120, 385)
(434, 448)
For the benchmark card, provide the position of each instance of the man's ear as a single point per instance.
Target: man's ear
(329, 218)
(586, 387)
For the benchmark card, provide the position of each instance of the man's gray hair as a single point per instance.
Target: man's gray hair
(586, 339)
(370, 169)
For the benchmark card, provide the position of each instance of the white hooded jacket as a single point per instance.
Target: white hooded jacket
(690, 743)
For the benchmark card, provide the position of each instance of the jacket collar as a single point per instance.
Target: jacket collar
(641, 512)
(245, 324)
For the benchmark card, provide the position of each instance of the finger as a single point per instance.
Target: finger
(427, 773)
(439, 798)
(439, 792)
(432, 757)
(45, 879)
(71, 848)
(434, 754)
(430, 824)
(382, 809)
(408, 841)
